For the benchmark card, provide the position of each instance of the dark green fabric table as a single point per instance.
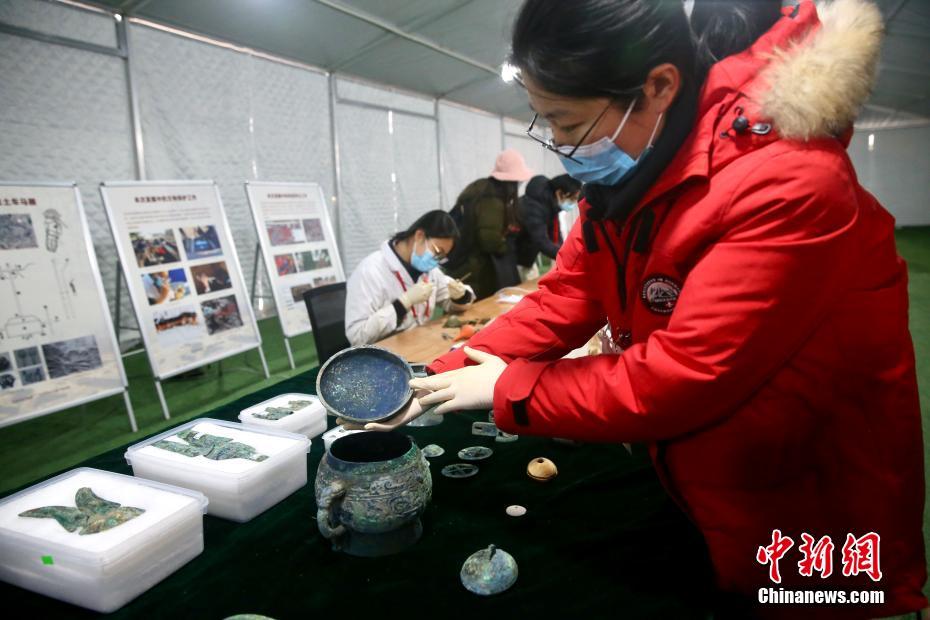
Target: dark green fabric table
(600, 540)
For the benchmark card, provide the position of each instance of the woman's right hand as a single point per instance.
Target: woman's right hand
(416, 294)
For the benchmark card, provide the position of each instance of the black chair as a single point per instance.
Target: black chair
(326, 306)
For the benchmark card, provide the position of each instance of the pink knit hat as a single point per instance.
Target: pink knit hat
(510, 166)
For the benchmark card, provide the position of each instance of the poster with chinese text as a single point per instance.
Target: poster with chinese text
(57, 344)
(185, 282)
(297, 244)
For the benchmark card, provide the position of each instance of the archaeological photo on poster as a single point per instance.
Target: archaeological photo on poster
(298, 246)
(179, 258)
(56, 341)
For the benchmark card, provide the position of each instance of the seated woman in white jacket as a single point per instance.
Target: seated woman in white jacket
(397, 287)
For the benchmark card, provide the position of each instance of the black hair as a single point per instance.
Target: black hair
(606, 48)
(436, 224)
(565, 184)
(599, 48)
(723, 27)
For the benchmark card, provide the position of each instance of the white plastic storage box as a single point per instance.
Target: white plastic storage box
(295, 413)
(112, 553)
(271, 465)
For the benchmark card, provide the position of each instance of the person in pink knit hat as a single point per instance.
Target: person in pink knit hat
(510, 166)
(486, 214)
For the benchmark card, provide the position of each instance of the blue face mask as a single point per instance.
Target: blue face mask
(602, 162)
(424, 262)
(568, 205)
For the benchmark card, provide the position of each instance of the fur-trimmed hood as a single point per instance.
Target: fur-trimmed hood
(815, 86)
(805, 79)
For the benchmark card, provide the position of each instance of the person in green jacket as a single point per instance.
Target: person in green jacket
(486, 212)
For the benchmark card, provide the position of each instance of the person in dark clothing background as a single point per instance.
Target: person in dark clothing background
(486, 213)
(538, 213)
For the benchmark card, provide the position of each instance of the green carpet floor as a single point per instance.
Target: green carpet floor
(38, 447)
(914, 246)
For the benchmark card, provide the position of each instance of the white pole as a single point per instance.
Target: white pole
(130, 412)
(261, 354)
(290, 356)
(161, 397)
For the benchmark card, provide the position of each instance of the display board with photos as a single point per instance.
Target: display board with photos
(298, 246)
(185, 282)
(57, 344)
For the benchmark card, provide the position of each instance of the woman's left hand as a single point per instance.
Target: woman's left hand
(471, 387)
(457, 290)
(411, 412)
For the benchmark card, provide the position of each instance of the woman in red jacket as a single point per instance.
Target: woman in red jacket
(755, 302)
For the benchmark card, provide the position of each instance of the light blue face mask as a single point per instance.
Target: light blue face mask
(602, 162)
(568, 205)
(424, 262)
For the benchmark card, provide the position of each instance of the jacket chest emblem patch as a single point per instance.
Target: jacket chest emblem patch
(660, 294)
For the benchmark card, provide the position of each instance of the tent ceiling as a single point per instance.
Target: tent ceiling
(317, 33)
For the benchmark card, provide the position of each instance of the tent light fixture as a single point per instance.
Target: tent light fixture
(509, 72)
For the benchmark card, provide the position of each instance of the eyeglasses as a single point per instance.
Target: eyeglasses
(549, 143)
(439, 254)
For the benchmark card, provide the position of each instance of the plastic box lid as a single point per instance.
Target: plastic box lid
(101, 556)
(171, 460)
(306, 413)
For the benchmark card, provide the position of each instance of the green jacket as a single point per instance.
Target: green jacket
(484, 233)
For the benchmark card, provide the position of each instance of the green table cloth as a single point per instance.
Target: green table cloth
(600, 540)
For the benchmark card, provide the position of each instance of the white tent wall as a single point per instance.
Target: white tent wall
(367, 193)
(194, 109)
(56, 19)
(351, 90)
(895, 169)
(469, 141)
(291, 139)
(292, 136)
(416, 162)
(78, 126)
(210, 110)
(389, 166)
(552, 167)
(206, 111)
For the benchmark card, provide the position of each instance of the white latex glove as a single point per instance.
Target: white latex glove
(412, 412)
(456, 289)
(416, 294)
(471, 387)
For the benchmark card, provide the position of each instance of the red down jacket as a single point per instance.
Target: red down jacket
(767, 361)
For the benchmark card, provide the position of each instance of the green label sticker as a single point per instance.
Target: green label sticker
(47, 560)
